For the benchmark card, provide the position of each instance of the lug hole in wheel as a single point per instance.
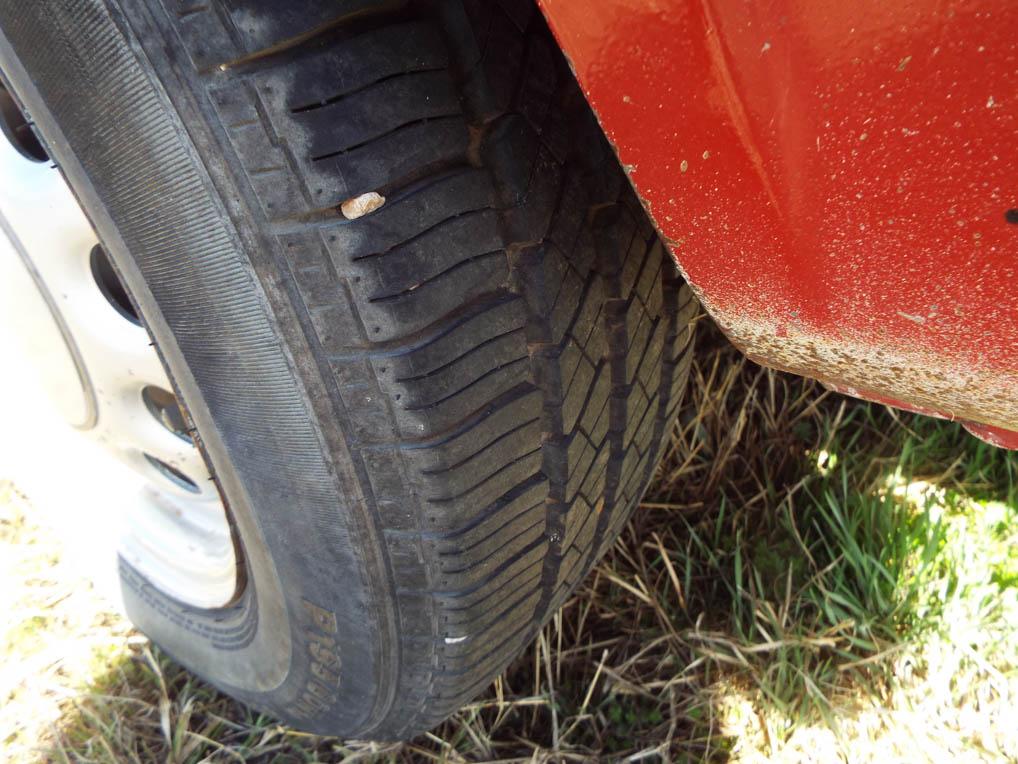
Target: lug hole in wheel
(18, 130)
(172, 474)
(110, 285)
(163, 405)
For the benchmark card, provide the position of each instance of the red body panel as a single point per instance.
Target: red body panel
(833, 176)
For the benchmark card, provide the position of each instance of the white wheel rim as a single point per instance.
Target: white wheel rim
(177, 534)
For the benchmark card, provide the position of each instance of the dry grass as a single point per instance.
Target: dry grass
(808, 579)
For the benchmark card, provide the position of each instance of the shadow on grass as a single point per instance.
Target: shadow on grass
(793, 547)
(816, 544)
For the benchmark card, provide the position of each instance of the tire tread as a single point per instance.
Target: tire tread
(506, 334)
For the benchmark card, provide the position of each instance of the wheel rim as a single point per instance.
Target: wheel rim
(177, 534)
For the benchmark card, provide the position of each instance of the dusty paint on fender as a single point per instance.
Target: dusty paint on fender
(833, 177)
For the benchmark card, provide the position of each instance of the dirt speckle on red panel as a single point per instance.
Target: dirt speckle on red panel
(931, 383)
(855, 219)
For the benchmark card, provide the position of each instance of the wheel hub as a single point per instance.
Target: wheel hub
(99, 366)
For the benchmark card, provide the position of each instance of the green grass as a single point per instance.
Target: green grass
(810, 578)
(816, 597)
(899, 534)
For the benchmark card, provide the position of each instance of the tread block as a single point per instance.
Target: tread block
(366, 115)
(435, 252)
(328, 74)
(264, 23)
(386, 163)
(414, 309)
(494, 81)
(512, 445)
(409, 214)
(503, 339)
(489, 487)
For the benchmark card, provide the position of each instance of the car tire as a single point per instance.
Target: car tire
(429, 341)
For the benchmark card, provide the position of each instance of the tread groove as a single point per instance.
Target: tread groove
(504, 468)
(422, 233)
(351, 23)
(500, 341)
(387, 134)
(334, 99)
(486, 375)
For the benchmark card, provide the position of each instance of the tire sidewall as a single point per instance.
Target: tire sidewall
(293, 643)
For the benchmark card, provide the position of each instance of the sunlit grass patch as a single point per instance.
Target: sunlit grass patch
(877, 603)
(55, 633)
(948, 693)
(818, 596)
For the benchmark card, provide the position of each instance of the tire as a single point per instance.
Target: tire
(428, 418)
